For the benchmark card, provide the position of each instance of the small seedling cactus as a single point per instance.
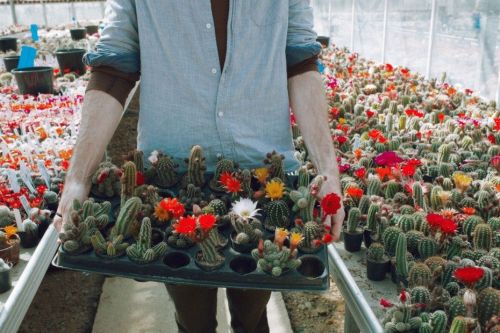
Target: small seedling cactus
(196, 167)
(305, 198)
(223, 165)
(6, 217)
(277, 214)
(376, 252)
(106, 180)
(143, 251)
(162, 171)
(274, 257)
(245, 223)
(275, 163)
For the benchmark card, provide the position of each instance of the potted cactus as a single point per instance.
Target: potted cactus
(353, 235)
(277, 211)
(50, 200)
(106, 180)
(273, 257)
(29, 236)
(247, 227)
(162, 171)
(5, 282)
(9, 245)
(202, 231)
(144, 251)
(377, 263)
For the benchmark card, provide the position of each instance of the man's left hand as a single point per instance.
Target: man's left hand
(331, 185)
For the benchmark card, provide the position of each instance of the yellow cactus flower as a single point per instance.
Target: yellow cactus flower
(261, 174)
(444, 197)
(341, 121)
(462, 181)
(275, 190)
(295, 239)
(280, 235)
(10, 230)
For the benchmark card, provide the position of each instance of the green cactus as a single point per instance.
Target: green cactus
(418, 196)
(275, 259)
(216, 207)
(486, 281)
(163, 172)
(448, 271)
(435, 199)
(128, 214)
(401, 257)
(303, 178)
(209, 251)
(455, 247)
(312, 231)
(392, 187)
(50, 198)
(114, 247)
(304, 199)
(191, 195)
(419, 275)
(428, 247)
(470, 224)
(458, 325)
(364, 204)
(106, 180)
(406, 223)
(128, 181)
(372, 218)
(390, 239)
(447, 184)
(413, 238)
(275, 162)
(420, 295)
(277, 214)
(488, 304)
(374, 186)
(439, 321)
(353, 220)
(196, 167)
(376, 252)
(483, 237)
(247, 232)
(444, 153)
(223, 165)
(143, 252)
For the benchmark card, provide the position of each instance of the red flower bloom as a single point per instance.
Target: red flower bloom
(139, 178)
(355, 192)
(40, 189)
(327, 239)
(341, 139)
(233, 185)
(360, 173)
(497, 124)
(434, 220)
(389, 68)
(370, 113)
(374, 134)
(441, 117)
(101, 178)
(388, 158)
(492, 139)
(448, 227)
(415, 162)
(185, 225)
(382, 139)
(495, 162)
(386, 303)
(383, 172)
(206, 221)
(408, 170)
(173, 206)
(225, 177)
(330, 204)
(403, 296)
(469, 275)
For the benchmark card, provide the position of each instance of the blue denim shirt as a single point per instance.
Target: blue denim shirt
(241, 112)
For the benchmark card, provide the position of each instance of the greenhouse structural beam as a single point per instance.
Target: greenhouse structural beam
(13, 11)
(384, 31)
(432, 34)
(330, 18)
(359, 316)
(44, 11)
(353, 14)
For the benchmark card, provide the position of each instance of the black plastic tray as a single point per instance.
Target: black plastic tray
(312, 275)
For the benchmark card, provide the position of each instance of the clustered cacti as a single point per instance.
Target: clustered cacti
(247, 231)
(106, 180)
(143, 251)
(162, 171)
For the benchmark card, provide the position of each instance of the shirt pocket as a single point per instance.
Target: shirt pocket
(267, 12)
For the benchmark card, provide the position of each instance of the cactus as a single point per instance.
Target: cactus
(428, 247)
(274, 259)
(435, 198)
(143, 251)
(275, 162)
(470, 224)
(277, 214)
(376, 252)
(425, 328)
(303, 178)
(458, 325)
(247, 232)
(196, 167)
(419, 275)
(455, 247)
(401, 257)
(304, 198)
(115, 247)
(216, 207)
(486, 281)
(162, 171)
(312, 231)
(372, 217)
(50, 198)
(439, 321)
(6, 217)
(390, 238)
(444, 153)
(364, 204)
(457, 307)
(374, 186)
(483, 237)
(106, 180)
(418, 196)
(413, 238)
(128, 214)
(128, 181)
(353, 220)
(406, 223)
(137, 157)
(488, 304)
(223, 165)
(392, 187)
(191, 195)
(420, 295)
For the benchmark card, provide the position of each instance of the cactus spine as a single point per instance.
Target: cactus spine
(196, 167)
(401, 257)
(353, 220)
(143, 251)
(483, 237)
(128, 181)
(278, 214)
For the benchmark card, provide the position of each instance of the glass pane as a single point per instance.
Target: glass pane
(368, 28)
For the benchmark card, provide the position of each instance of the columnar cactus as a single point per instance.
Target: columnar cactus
(143, 251)
(420, 295)
(406, 223)
(458, 325)
(413, 238)
(444, 153)
(401, 257)
(372, 218)
(439, 321)
(419, 275)
(364, 204)
(275, 162)
(391, 189)
(488, 304)
(374, 186)
(390, 239)
(470, 224)
(128, 181)
(304, 198)
(303, 178)
(427, 248)
(277, 214)
(196, 167)
(128, 214)
(483, 237)
(353, 220)
(418, 196)
(223, 165)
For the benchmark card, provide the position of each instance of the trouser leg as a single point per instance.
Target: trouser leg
(195, 307)
(248, 310)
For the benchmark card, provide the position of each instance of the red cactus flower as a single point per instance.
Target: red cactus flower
(403, 296)
(383, 172)
(354, 192)
(327, 239)
(434, 220)
(448, 227)
(185, 225)
(388, 158)
(139, 178)
(330, 204)
(174, 207)
(374, 134)
(495, 162)
(360, 173)
(206, 221)
(369, 113)
(385, 303)
(40, 189)
(408, 170)
(225, 177)
(389, 68)
(233, 185)
(492, 139)
(469, 275)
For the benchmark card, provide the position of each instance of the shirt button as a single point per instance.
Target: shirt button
(221, 114)
(214, 71)
(208, 25)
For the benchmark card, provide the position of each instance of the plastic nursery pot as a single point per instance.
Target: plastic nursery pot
(208, 267)
(92, 29)
(395, 277)
(78, 33)
(243, 265)
(310, 250)
(311, 267)
(8, 44)
(375, 270)
(71, 60)
(11, 252)
(176, 260)
(323, 40)
(367, 237)
(35, 80)
(11, 62)
(28, 239)
(5, 283)
(352, 242)
(241, 248)
(42, 227)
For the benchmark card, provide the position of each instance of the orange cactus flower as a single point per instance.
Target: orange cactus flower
(358, 153)
(10, 230)
(469, 210)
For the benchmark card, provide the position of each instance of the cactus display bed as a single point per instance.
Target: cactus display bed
(178, 267)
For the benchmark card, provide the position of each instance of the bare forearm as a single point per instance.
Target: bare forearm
(101, 115)
(308, 102)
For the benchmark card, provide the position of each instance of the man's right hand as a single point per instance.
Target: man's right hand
(72, 190)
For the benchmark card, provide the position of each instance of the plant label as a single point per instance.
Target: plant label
(14, 185)
(44, 173)
(19, 220)
(26, 177)
(25, 204)
(27, 58)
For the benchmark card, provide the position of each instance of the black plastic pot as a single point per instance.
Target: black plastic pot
(367, 237)
(92, 29)
(5, 283)
(78, 33)
(11, 62)
(71, 60)
(352, 242)
(8, 44)
(28, 239)
(241, 248)
(35, 80)
(375, 270)
(325, 41)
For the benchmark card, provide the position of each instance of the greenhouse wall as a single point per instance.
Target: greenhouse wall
(463, 42)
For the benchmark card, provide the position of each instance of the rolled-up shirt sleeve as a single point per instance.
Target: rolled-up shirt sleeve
(302, 48)
(119, 43)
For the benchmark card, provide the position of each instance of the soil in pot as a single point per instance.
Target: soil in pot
(71, 60)
(35, 80)
(241, 248)
(10, 253)
(11, 62)
(352, 241)
(208, 267)
(376, 270)
(78, 33)
(8, 44)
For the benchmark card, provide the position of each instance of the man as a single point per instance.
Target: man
(212, 73)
